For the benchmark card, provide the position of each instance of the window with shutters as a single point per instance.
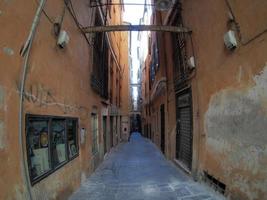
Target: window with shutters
(181, 69)
(99, 76)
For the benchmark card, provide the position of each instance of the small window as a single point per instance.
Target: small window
(51, 142)
(99, 75)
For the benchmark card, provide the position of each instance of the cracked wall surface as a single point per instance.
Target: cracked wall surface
(2, 136)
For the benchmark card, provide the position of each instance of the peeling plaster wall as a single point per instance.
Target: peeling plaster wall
(2, 125)
(230, 96)
(1, 97)
(2, 136)
(236, 124)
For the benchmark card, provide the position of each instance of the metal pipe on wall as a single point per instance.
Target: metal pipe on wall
(26, 54)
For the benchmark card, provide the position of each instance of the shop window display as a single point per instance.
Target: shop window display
(51, 142)
(72, 139)
(38, 147)
(58, 141)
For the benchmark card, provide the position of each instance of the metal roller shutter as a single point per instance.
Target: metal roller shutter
(184, 129)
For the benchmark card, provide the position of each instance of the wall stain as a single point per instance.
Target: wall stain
(2, 136)
(235, 125)
(8, 51)
(2, 94)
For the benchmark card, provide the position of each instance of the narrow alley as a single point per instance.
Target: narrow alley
(185, 80)
(137, 170)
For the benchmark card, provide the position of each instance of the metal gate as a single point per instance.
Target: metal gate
(184, 138)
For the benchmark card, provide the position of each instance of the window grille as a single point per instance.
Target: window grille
(99, 76)
(181, 69)
(154, 66)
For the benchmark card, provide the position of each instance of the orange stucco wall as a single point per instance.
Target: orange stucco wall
(229, 94)
(230, 88)
(58, 83)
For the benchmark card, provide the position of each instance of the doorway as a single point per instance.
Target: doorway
(162, 128)
(111, 132)
(105, 133)
(184, 138)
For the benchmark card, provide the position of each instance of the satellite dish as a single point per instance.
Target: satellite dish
(163, 4)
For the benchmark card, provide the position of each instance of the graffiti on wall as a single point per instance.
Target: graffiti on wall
(38, 94)
(42, 96)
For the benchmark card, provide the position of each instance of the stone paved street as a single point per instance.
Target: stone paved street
(138, 171)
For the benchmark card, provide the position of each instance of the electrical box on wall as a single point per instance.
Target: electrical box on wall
(63, 39)
(230, 40)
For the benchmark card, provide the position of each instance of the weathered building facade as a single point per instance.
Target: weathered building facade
(206, 103)
(61, 104)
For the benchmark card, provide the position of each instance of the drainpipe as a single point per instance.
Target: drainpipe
(26, 54)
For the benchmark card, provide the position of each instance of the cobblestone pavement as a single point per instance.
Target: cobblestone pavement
(137, 170)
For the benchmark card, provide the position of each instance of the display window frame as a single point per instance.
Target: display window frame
(52, 165)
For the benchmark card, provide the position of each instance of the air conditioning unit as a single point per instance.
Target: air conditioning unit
(163, 4)
(230, 40)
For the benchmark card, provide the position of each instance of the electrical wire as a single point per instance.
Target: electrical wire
(74, 16)
(74, 13)
(238, 27)
(48, 18)
(26, 54)
(46, 15)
